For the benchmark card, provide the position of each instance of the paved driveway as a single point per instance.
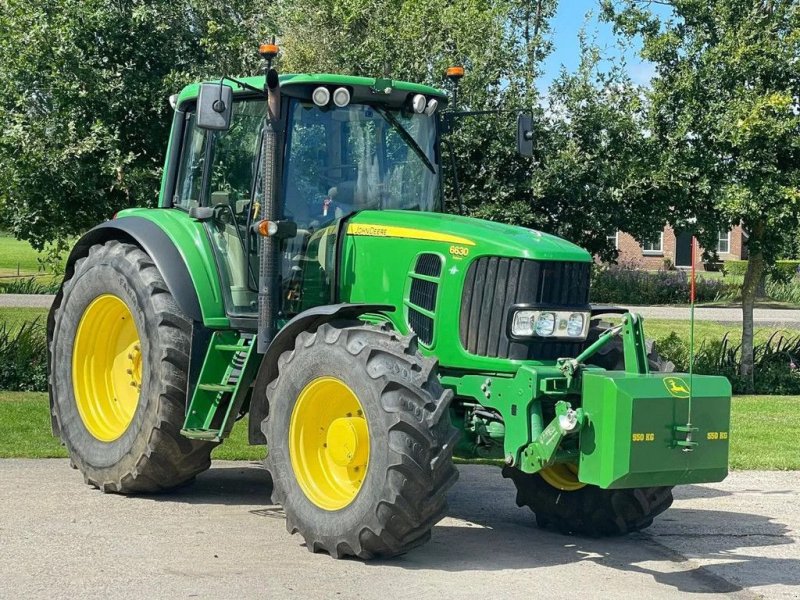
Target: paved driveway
(221, 539)
(764, 317)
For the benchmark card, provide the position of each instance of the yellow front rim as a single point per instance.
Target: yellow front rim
(563, 476)
(107, 367)
(329, 443)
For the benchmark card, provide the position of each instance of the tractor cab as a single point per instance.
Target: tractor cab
(348, 144)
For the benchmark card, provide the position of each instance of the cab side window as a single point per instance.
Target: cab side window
(190, 173)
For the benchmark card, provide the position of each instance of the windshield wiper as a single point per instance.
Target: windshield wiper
(407, 137)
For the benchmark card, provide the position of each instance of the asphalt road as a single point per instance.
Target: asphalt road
(220, 538)
(764, 317)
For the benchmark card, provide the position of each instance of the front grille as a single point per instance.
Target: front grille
(429, 264)
(493, 284)
(422, 325)
(422, 295)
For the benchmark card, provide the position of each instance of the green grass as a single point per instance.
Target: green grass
(660, 328)
(16, 254)
(763, 432)
(15, 317)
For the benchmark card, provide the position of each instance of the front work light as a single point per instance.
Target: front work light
(418, 103)
(321, 96)
(433, 104)
(549, 324)
(341, 97)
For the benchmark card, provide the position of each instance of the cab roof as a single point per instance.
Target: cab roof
(190, 92)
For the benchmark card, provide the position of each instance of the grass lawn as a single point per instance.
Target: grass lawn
(661, 328)
(14, 317)
(16, 254)
(763, 432)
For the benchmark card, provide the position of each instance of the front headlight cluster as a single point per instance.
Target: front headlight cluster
(550, 323)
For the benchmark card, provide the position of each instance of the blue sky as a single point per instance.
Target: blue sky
(569, 19)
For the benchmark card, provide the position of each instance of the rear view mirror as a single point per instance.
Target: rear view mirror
(525, 134)
(214, 106)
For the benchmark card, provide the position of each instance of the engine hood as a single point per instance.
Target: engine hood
(478, 236)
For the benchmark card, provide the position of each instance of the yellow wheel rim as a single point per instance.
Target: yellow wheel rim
(329, 443)
(107, 367)
(563, 476)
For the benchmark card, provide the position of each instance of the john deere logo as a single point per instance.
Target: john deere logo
(676, 387)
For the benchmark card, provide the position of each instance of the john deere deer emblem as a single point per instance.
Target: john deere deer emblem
(677, 387)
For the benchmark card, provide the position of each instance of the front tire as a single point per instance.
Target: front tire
(563, 503)
(360, 441)
(118, 374)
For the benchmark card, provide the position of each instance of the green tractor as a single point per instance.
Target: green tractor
(300, 269)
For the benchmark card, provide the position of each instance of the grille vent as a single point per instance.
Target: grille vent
(421, 301)
(493, 284)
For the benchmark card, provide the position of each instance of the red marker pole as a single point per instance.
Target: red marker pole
(691, 338)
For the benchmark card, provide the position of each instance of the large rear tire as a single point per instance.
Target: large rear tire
(118, 374)
(360, 441)
(561, 502)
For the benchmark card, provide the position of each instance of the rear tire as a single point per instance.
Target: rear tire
(400, 494)
(590, 510)
(149, 454)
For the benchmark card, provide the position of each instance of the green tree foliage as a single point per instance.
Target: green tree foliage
(590, 174)
(83, 99)
(726, 114)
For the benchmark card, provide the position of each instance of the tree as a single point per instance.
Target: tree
(726, 113)
(592, 171)
(83, 100)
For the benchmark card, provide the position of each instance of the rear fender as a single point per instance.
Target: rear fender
(150, 238)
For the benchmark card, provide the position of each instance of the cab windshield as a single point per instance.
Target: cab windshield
(358, 157)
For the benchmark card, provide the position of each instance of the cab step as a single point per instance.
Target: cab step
(221, 387)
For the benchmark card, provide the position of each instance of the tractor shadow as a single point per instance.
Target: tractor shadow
(486, 531)
(246, 484)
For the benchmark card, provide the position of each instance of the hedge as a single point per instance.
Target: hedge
(783, 270)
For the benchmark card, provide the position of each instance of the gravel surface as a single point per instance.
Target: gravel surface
(764, 317)
(220, 538)
(25, 300)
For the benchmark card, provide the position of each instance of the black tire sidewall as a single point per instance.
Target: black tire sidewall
(109, 271)
(325, 360)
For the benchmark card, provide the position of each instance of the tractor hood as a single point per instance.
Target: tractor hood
(476, 236)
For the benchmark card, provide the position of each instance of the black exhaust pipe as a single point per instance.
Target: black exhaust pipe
(268, 289)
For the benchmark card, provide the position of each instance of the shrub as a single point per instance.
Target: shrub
(785, 271)
(784, 292)
(734, 268)
(622, 284)
(29, 286)
(23, 357)
(782, 271)
(776, 361)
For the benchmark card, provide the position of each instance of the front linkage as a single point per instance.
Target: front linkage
(609, 430)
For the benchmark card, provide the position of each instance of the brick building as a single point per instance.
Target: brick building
(673, 248)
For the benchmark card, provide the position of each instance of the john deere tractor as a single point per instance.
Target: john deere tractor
(300, 269)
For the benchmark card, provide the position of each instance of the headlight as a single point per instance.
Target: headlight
(545, 324)
(575, 325)
(549, 323)
(524, 321)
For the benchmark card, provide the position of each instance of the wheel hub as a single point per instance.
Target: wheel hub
(329, 443)
(563, 476)
(107, 367)
(348, 441)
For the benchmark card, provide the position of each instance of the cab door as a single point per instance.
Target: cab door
(219, 170)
